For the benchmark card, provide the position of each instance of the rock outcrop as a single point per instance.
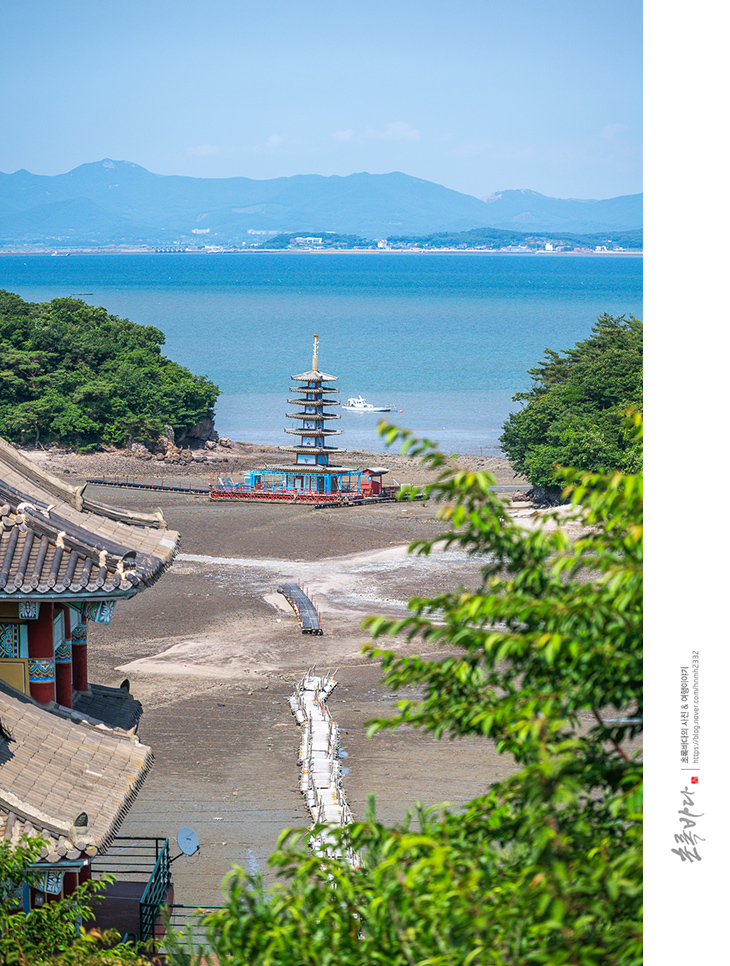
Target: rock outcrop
(197, 436)
(202, 436)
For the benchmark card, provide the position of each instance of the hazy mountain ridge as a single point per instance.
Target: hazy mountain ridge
(120, 203)
(525, 210)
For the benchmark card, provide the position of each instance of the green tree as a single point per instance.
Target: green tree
(72, 373)
(574, 413)
(544, 867)
(52, 933)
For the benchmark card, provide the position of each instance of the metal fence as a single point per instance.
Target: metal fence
(184, 921)
(154, 894)
(131, 858)
(142, 859)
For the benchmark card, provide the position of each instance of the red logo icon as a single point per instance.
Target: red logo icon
(694, 780)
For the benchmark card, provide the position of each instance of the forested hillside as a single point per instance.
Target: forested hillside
(73, 374)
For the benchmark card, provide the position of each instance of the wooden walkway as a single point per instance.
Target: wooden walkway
(134, 484)
(304, 608)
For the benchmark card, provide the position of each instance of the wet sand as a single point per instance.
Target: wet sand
(213, 652)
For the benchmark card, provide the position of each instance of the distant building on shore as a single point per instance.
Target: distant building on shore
(311, 471)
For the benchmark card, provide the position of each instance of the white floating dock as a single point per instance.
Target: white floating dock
(321, 777)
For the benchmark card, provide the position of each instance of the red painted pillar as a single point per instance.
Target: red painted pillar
(41, 664)
(70, 883)
(84, 874)
(78, 656)
(64, 672)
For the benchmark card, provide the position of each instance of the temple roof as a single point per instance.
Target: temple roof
(300, 431)
(311, 403)
(113, 706)
(301, 416)
(314, 375)
(319, 390)
(318, 450)
(55, 540)
(67, 778)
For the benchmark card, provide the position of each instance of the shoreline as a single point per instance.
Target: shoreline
(222, 250)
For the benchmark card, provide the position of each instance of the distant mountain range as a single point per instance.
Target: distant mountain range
(109, 203)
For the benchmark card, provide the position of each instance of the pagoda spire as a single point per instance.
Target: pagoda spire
(315, 356)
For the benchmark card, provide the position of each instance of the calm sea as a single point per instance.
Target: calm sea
(445, 339)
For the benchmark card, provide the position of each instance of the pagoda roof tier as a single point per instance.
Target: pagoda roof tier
(320, 390)
(314, 375)
(320, 450)
(314, 432)
(56, 541)
(66, 776)
(315, 402)
(310, 415)
(300, 469)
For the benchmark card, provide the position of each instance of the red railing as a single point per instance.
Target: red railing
(281, 496)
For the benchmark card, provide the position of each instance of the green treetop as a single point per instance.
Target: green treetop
(574, 413)
(52, 934)
(71, 373)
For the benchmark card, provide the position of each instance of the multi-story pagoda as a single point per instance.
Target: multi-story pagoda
(311, 472)
(311, 476)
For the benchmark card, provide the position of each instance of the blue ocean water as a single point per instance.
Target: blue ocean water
(446, 339)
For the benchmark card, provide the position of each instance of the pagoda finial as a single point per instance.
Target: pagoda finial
(315, 357)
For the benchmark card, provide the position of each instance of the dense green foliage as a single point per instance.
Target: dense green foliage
(50, 934)
(544, 867)
(575, 412)
(71, 373)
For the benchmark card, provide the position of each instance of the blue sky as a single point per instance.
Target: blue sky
(478, 96)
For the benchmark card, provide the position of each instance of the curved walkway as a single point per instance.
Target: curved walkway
(321, 778)
(304, 608)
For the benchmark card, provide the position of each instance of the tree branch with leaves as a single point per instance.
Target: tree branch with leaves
(544, 656)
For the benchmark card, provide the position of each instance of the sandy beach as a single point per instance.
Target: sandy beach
(213, 652)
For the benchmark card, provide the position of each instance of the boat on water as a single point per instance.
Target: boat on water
(356, 404)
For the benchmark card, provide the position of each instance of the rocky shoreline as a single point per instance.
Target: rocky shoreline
(228, 457)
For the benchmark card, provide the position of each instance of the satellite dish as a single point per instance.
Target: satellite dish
(188, 841)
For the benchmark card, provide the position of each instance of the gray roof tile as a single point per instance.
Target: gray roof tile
(45, 781)
(51, 541)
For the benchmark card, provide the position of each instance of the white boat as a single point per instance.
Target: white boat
(356, 404)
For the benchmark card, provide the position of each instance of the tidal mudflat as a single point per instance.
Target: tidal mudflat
(213, 652)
